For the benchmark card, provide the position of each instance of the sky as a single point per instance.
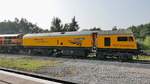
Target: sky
(89, 13)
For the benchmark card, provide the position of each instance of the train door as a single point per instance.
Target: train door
(107, 41)
(94, 38)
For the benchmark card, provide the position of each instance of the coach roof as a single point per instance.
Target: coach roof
(9, 35)
(59, 34)
(110, 32)
(79, 33)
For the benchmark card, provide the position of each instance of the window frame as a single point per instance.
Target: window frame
(126, 39)
(122, 38)
(130, 38)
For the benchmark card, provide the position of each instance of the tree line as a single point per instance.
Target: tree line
(142, 34)
(24, 26)
(141, 31)
(19, 26)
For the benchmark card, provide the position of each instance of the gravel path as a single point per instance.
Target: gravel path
(100, 72)
(97, 72)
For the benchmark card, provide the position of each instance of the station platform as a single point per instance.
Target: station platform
(13, 78)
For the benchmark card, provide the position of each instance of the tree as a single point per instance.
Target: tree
(145, 30)
(66, 27)
(28, 27)
(56, 25)
(114, 28)
(73, 25)
(141, 31)
(95, 29)
(135, 31)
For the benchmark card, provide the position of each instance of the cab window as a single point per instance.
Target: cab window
(125, 38)
(130, 38)
(122, 38)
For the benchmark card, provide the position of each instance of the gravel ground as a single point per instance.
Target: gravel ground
(96, 71)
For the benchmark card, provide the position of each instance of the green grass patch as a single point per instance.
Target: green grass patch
(147, 51)
(27, 64)
(142, 57)
(147, 42)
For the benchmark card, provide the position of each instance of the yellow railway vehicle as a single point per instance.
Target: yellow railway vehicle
(120, 43)
(66, 43)
(57, 40)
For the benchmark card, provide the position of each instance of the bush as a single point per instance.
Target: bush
(147, 42)
(140, 44)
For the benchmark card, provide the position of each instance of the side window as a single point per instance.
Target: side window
(107, 41)
(7, 40)
(122, 38)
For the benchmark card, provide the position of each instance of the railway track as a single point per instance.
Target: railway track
(88, 58)
(140, 61)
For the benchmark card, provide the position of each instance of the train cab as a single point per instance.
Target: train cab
(116, 43)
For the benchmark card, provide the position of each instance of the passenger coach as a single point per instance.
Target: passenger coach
(10, 43)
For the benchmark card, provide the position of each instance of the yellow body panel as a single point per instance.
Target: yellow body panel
(68, 41)
(116, 44)
(79, 41)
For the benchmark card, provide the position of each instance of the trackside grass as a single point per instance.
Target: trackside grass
(142, 57)
(27, 64)
(148, 51)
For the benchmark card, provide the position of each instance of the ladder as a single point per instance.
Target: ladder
(94, 43)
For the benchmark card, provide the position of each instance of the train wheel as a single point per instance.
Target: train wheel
(100, 56)
(125, 57)
(56, 53)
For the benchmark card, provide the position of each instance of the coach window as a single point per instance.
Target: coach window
(107, 41)
(7, 40)
(122, 38)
